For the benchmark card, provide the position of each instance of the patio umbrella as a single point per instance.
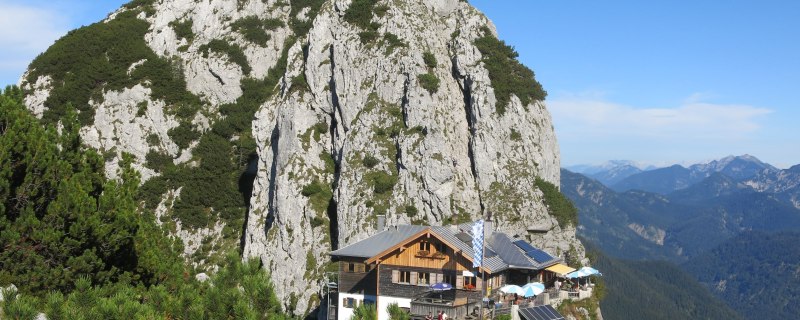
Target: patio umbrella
(441, 286)
(532, 289)
(511, 289)
(576, 274)
(589, 271)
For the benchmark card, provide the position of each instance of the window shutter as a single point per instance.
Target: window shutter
(360, 267)
(413, 277)
(395, 276)
(439, 278)
(459, 282)
(478, 283)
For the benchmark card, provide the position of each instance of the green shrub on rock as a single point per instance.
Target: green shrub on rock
(508, 75)
(558, 205)
(429, 82)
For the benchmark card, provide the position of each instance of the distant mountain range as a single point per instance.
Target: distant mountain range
(623, 175)
(612, 171)
(705, 218)
(675, 225)
(676, 177)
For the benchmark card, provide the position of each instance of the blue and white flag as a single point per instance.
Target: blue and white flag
(477, 243)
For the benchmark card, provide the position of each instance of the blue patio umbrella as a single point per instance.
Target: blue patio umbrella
(441, 286)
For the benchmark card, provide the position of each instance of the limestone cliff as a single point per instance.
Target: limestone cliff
(350, 108)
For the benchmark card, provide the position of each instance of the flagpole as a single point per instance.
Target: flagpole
(478, 244)
(483, 284)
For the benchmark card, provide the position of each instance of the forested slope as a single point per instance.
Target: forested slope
(75, 246)
(656, 290)
(757, 273)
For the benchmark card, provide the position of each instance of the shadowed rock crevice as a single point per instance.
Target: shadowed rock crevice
(333, 206)
(273, 172)
(246, 180)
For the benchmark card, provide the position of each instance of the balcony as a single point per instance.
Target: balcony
(430, 255)
(460, 308)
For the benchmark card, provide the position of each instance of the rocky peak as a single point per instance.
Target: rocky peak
(302, 120)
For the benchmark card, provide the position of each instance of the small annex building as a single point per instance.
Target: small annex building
(398, 265)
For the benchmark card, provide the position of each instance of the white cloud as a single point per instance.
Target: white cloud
(594, 117)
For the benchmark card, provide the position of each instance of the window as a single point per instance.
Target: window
(440, 247)
(352, 267)
(423, 278)
(449, 278)
(349, 303)
(470, 283)
(424, 246)
(405, 277)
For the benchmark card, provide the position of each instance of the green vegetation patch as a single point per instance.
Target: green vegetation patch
(236, 291)
(392, 41)
(62, 220)
(158, 161)
(515, 135)
(301, 27)
(370, 161)
(96, 58)
(254, 29)
(508, 75)
(429, 59)
(559, 205)
(233, 51)
(429, 82)
(183, 29)
(319, 195)
(360, 13)
(381, 181)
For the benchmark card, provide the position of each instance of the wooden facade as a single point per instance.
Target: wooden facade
(427, 252)
(357, 277)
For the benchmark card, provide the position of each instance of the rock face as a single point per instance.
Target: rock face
(354, 127)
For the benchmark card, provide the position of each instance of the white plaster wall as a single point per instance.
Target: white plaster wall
(344, 313)
(384, 302)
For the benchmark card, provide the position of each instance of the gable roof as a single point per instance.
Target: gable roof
(378, 243)
(501, 252)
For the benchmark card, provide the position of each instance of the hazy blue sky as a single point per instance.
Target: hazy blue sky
(652, 81)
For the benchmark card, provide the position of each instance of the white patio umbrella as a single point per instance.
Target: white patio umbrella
(512, 289)
(589, 271)
(584, 272)
(532, 289)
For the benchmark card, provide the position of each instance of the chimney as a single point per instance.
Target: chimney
(381, 222)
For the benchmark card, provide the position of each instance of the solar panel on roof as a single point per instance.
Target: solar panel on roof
(465, 237)
(545, 312)
(504, 248)
(531, 251)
